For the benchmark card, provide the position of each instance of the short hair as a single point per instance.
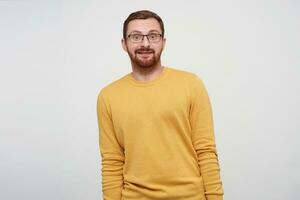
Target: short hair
(142, 14)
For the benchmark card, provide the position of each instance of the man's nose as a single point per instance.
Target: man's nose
(145, 41)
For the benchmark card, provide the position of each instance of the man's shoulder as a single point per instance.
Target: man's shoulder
(182, 74)
(187, 78)
(114, 86)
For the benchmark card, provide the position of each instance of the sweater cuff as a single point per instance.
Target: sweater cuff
(214, 197)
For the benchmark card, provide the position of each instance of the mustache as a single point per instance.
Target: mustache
(142, 50)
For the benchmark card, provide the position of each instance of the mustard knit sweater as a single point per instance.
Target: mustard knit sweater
(157, 140)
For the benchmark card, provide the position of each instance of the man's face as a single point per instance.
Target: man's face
(144, 54)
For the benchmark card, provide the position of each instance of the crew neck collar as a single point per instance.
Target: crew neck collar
(160, 77)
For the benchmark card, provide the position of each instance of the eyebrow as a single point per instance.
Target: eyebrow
(151, 31)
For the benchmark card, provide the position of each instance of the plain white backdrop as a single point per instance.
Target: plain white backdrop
(55, 56)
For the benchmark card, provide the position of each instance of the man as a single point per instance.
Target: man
(156, 129)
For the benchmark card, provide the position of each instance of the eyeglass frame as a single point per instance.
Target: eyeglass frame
(147, 36)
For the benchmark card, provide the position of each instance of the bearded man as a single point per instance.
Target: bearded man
(156, 132)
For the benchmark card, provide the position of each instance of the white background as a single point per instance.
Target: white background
(55, 56)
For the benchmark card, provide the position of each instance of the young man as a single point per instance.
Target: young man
(156, 129)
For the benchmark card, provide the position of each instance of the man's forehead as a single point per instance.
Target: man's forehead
(144, 25)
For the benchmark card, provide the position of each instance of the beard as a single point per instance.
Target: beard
(145, 57)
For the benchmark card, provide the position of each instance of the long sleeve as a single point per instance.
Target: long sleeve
(204, 141)
(111, 152)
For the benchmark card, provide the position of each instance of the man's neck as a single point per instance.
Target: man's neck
(148, 73)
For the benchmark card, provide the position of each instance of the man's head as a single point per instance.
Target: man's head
(143, 38)
(143, 14)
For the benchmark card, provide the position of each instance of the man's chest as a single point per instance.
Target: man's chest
(147, 107)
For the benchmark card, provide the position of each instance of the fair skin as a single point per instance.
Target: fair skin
(145, 56)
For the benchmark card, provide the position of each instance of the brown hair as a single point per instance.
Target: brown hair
(142, 14)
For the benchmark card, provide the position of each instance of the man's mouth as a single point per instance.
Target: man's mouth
(144, 51)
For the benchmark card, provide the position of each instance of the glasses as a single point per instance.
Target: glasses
(137, 38)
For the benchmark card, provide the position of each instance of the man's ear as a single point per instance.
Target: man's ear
(164, 43)
(123, 41)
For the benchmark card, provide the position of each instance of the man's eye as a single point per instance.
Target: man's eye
(136, 36)
(152, 36)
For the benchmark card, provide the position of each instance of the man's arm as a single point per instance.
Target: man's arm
(111, 152)
(204, 141)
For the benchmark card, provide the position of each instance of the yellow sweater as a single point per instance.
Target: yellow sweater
(157, 140)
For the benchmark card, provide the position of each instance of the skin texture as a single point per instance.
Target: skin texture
(144, 56)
